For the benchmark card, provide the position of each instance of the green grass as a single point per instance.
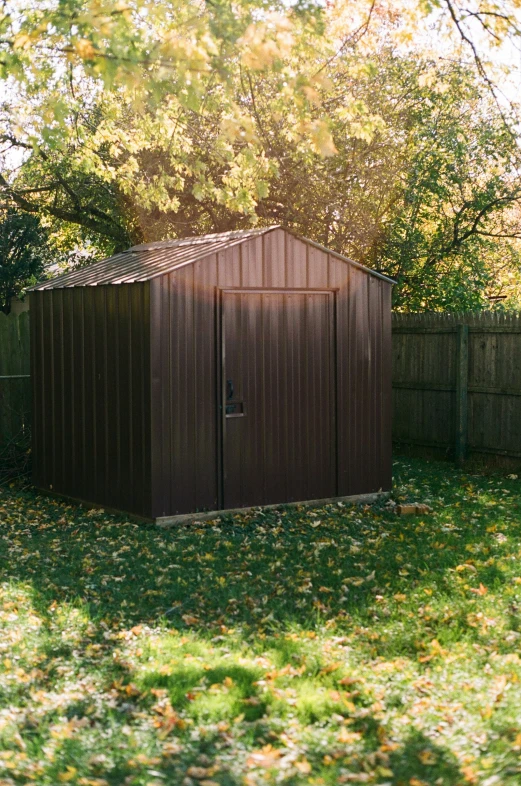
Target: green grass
(326, 646)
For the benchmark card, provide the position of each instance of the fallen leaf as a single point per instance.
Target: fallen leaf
(480, 591)
(199, 773)
(266, 758)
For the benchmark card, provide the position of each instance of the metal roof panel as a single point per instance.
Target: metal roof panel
(149, 260)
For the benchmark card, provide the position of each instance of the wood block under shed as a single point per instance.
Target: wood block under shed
(413, 509)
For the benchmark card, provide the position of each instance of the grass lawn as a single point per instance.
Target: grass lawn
(326, 646)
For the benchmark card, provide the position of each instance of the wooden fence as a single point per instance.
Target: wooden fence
(15, 389)
(457, 382)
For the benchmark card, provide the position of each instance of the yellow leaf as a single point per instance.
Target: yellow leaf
(348, 737)
(469, 775)
(197, 772)
(427, 757)
(68, 775)
(428, 78)
(330, 667)
(303, 766)
(349, 680)
(400, 597)
(312, 95)
(265, 758)
(322, 139)
(84, 49)
(22, 41)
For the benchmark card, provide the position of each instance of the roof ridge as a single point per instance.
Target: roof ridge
(201, 239)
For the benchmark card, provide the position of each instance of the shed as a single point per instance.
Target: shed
(211, 373)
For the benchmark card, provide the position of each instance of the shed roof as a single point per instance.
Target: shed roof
(149, 260)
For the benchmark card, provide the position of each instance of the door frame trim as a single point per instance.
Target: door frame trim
(277, 290)
(221, 291)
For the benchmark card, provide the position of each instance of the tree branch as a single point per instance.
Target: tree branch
(80, 217)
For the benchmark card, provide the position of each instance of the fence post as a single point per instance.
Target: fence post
(462, 378)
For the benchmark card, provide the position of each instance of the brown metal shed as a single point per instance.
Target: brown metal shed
(210, 373)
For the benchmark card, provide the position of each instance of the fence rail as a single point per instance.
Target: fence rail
(457, 382)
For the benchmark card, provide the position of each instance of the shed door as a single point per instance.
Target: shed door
(278, 397)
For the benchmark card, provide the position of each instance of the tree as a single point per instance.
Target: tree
(112, 86)
(154, 70)
(322, 120)
(23, 254)
(430, 197)
(52, 182)
(456, 233)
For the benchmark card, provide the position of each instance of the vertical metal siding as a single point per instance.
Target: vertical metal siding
(339, 279)
(186, 375)
(360, 449)
(127, 382)
(68, 445)
(37, 398)
(91, 394)
(385, 437)
(184, 372)
(375, 414)
(48, 390)
(113, 393)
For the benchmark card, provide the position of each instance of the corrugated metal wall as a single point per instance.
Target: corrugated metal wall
(127, 380)
(90, 354)
(186, 359)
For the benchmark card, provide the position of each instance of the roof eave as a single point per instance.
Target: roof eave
(336, 254)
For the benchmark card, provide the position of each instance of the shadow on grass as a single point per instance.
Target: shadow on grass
(264, 571)
(275, 578)
(421, 759)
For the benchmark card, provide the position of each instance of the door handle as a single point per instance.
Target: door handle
(229, 389)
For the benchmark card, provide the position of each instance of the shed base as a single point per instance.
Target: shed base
(183, 518)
